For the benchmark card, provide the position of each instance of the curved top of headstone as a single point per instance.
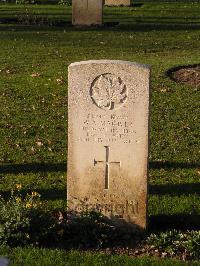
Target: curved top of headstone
(105, 61)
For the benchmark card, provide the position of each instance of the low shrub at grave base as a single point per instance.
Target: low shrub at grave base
(176, 243)
(26, 220)
(93, 230)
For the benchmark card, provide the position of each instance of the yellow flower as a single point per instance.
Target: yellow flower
(18, 186)
(34, 193)
(28, 205)
(18, 200)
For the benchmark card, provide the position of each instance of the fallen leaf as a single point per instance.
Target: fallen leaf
(60, 80)
(163, 90)
(39, 143)
(35, 75)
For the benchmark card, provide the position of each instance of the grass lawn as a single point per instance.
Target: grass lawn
(33, 107)
(35, 257)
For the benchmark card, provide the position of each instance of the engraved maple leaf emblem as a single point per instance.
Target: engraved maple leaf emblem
(108, 91)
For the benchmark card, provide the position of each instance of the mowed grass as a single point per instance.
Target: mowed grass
(33, 99)
(36, 256)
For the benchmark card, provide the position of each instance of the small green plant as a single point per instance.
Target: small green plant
(29, 17)
(65, 2)
(24, 219)
(175, 242)
(24, 2)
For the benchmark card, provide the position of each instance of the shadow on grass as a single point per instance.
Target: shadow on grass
(46, 194)
(38, 22)
(62, 167)
(177, 221)
(172, 165)
(51, 194)
(112, 24)
(33, 168)
(175, 189)
(171, 190)
(98, 231)
(157, 222)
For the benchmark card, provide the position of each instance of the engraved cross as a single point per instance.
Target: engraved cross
(107, 166)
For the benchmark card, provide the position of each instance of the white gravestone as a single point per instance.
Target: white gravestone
(108, 125)
(87, 12)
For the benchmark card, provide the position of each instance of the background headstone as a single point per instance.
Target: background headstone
(108, 120)
(117, 2)
(4, 261)
(87, 12)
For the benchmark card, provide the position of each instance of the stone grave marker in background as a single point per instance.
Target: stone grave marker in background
(87, 12)
(108, 125)
(4, 261)
(117, 2)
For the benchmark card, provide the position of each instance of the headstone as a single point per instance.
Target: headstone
(87, 12)
(117, 2)
(108, 121)
(4, 261)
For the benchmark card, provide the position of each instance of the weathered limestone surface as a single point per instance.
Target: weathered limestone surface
(117, 2)
(4, 261)
(87, 12)
(108, 125)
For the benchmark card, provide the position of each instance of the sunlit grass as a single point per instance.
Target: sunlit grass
(33, 98)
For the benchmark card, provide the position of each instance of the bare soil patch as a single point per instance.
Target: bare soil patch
(189, 75)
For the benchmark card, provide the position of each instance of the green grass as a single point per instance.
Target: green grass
(36, 256)
(34, 109)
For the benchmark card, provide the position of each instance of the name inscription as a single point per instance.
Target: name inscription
(117, 209)
(106, 128)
